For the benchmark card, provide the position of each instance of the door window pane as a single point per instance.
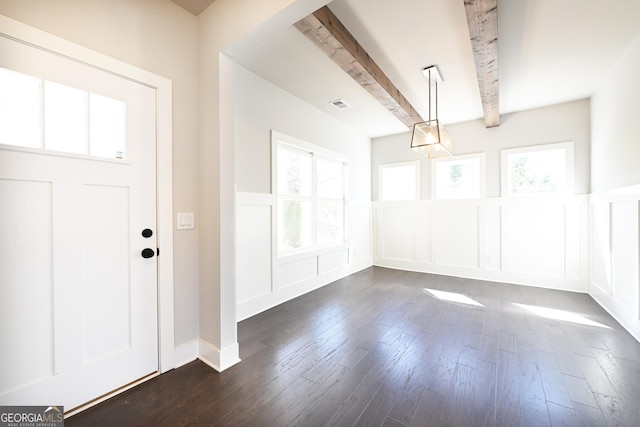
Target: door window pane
(20, 109)
(295, 228)
(107, 123)
(294, 172)
(65, 118)
(60, 117)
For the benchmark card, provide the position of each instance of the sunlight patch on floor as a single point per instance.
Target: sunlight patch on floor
(555, 314)
(452, 297)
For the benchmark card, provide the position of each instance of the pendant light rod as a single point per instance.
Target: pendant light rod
(436, 98)
(429, 72)
(429, 93)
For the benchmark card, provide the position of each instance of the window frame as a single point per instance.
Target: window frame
(482, 178)
(279, 139)
(569, 169)
(417, 166)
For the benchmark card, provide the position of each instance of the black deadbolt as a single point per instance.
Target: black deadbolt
(148, 253)
(147, 233)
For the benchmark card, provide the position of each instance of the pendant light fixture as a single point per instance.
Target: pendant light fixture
(430, 138)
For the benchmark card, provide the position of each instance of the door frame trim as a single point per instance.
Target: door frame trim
(164, 175)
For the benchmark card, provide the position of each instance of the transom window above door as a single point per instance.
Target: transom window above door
(41, 114)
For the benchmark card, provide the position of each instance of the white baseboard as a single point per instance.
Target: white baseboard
(208, 353)
(617, 311)
(216, 358)
(186, 353)
(570, 284)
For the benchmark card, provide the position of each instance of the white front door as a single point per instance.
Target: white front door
(78, 301)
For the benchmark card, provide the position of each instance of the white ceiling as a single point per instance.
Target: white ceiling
(550, 51)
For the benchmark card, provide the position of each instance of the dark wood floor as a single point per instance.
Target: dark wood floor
(375, 349)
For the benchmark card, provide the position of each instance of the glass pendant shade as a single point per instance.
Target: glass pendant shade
(431, 139)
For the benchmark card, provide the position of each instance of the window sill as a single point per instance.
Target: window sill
(310, 252)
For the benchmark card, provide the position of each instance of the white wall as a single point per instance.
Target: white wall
(221, 27)
(263, 279)
(558, 123)
(261, 106)
(615, 152)
(160, 37)
(615, 182)
(535, 241)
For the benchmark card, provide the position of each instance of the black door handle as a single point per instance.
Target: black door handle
(148, 253)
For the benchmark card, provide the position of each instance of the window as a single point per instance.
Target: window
(399, 181)
(544, 169)
(460, 177)
(310, 189)
(42, 114)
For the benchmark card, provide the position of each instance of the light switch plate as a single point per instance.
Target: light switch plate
(185, 221)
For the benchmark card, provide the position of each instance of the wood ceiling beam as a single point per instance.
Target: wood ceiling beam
(482, 18)
(325, 30)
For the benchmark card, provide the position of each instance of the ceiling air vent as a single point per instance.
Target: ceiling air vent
(339, 104)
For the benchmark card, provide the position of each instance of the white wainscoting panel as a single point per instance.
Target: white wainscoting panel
(457, 233)
(600, 264)
(493, 228)
(615, 254)
(264, 280)
(533, 241)
(624, 254)
(398, 232)
(332, 261)
(253, 247)
(425, 240)
(576, 229)
(296, 271)
(360, 231)
(535, 238)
